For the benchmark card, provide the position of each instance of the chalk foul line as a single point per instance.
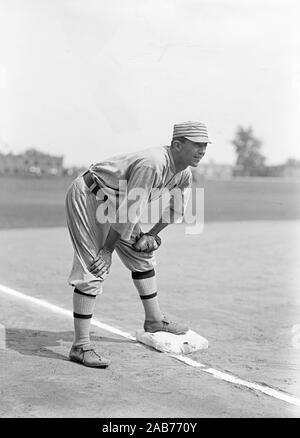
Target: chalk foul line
(280, 395)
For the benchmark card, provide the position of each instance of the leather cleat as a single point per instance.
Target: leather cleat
(165, 326)
(88, 356)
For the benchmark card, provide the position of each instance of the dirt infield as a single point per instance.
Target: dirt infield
(236, 284)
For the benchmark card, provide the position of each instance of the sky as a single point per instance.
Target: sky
(89, 79)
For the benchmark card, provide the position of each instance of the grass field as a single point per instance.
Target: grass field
(237, 284)
(33, 202)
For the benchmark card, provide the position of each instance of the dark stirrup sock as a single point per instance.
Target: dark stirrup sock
(145, 282)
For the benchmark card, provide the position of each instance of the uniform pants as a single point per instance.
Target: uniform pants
(88, 236)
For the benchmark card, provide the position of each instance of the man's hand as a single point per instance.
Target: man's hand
(146, 242)
(102, 262)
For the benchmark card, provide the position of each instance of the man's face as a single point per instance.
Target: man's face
(192, 153)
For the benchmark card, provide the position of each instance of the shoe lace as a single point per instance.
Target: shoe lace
(93, 352)
(166, 320)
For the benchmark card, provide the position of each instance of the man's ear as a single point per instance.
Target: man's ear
(177, 145)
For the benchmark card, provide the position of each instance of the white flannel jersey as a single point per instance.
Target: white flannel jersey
(152, 170)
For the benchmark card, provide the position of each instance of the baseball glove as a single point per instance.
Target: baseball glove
(146, 242)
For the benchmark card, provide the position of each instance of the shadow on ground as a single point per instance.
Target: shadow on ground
(41, 343)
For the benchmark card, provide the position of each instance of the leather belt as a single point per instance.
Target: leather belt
(91, 183)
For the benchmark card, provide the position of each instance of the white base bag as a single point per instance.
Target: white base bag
(169, 343)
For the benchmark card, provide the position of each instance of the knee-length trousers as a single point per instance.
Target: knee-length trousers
(88, 236)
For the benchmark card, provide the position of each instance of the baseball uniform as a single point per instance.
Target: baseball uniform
(152, 170)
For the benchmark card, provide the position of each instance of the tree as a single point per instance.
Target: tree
(249, 162)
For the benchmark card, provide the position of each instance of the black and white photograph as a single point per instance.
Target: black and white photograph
(149, 212)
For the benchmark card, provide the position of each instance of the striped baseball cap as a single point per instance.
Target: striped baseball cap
(193, 131)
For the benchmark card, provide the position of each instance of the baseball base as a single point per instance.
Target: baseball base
(175, 344)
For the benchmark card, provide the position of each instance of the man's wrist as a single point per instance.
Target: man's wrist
(152, 233)
(157, 228)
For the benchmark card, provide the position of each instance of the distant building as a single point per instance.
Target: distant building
(291, 169)
(212, 170)
(74, 171)
(291, 172)
(31, 162)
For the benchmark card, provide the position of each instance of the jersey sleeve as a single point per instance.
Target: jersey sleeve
(179, 198)
(135, 200)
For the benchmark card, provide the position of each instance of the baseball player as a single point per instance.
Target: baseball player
(97, 207)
